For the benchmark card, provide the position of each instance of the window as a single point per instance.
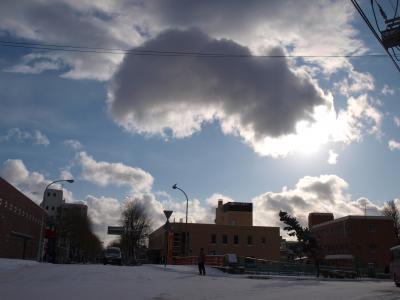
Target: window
(224, 239)
(371, 227)
(47, 207)
(54, 194)
(372, 248)
(236, 239)
(213, 238)
(52, 208)
(263, 240)
(249, 240)
(48, 194)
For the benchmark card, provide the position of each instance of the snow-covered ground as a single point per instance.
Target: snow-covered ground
(32, 281)
(12, 264)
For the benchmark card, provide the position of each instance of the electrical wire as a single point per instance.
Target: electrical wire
(366, 20)
(149, 52)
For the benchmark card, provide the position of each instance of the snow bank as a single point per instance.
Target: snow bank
(12, 264)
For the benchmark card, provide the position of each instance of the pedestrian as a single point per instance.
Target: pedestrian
(200, 262)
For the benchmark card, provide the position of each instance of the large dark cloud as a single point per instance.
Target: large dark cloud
(259, 96)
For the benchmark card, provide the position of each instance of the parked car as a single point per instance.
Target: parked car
(112, 255)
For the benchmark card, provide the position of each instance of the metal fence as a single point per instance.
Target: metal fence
(260, 266)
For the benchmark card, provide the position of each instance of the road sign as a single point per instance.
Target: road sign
(167, 213)
(115, 230)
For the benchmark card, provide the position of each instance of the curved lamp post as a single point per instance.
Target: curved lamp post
(39, 255)
(175, 187)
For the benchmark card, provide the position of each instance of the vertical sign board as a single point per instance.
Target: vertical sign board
(115, 230)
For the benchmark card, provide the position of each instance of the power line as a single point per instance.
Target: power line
(366, 20)
(149, 52)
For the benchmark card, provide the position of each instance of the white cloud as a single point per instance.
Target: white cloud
(21, 136)
(103, 211)
(387, 90)
(35, 63)
(105, 173)
(396, 121)
(255, 99)
(394, 145)
(355, 83)
(332, 160)
(124, 24)
(258, 27)
(359, 117)
(30, 183)
(326, 193)
(66, 174)
(73, 144)
(271, 108)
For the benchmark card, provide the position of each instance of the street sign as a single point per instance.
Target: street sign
(167, 213)
(115, 230)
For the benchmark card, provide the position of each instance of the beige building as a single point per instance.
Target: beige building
(233, 232)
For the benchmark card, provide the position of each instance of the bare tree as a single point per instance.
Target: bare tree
(76, 229)
(391, 210)
(136, 224)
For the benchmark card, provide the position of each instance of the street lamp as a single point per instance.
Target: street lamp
(175, 187)
(39, 254)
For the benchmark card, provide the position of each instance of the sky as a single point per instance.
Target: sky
(267, 118)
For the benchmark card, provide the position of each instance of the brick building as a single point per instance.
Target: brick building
(233, 232)
(356, 241)
(20, 223)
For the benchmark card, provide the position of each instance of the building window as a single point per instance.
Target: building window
(372, 248)
(249, 240)
(47, 207)
(54, 194)
(224, 239)
(236, 239)
(263, 240)
(213, 239)
(371, 227)
(48, 194)
(52, 208)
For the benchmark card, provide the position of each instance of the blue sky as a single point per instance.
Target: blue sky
(166, 121)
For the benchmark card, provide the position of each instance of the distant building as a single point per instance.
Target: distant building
(359, 241)
(233, 232)
(59, 248)
(316, 218)
(52, 202)
(21, 221)
(76, 208)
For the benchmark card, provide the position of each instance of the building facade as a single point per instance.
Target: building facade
(59, 246)
(22, 224)
(356, 241)
(232, 232)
